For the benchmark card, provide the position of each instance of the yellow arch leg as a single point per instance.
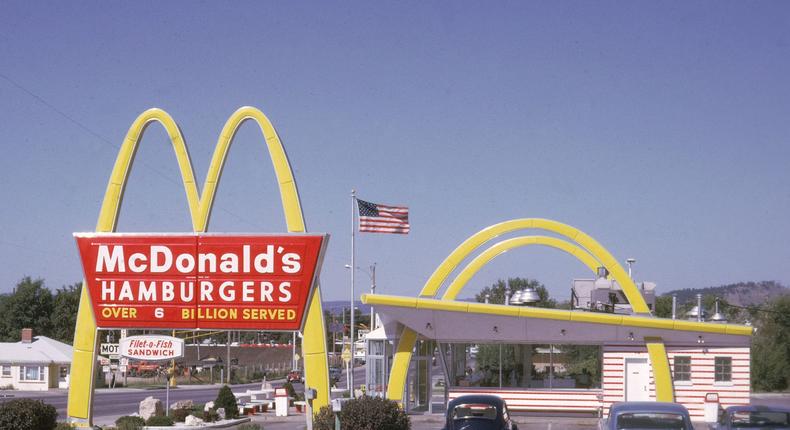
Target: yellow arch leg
(79, 407)
(661, 374)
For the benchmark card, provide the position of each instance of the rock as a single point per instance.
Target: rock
(182, 404)
(221, 413)
(208, 406)
(150, 407)
(192, 420)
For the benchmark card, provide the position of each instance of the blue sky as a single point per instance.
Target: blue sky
(661, 129)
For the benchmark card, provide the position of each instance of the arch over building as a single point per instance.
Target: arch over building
(589, 247)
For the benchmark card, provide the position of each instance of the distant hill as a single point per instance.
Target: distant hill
(740, 294)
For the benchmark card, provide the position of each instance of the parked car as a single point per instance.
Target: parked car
(646, 415)
(754, 417)
(478, 412)
(294, 376)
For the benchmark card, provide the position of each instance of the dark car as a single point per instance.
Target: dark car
(646, 415)
(754, 417)
(478, 412)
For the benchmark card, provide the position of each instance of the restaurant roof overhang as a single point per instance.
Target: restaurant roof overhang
(459, 321)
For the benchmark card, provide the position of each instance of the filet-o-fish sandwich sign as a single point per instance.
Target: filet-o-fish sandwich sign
(200, 280)
(151, 347)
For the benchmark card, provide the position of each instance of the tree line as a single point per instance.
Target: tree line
(33, 305)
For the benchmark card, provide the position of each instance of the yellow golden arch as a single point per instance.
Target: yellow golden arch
(80, 399)
(582, 246)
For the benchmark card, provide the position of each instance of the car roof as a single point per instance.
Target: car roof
(756, 408)
(477, 398)
(647, 406)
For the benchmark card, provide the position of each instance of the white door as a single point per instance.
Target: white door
(637, 379)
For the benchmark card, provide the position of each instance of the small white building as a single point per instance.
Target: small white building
(34, 363)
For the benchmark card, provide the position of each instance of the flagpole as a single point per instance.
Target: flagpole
(353, 269)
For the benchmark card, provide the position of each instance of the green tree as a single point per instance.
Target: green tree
(771, 347)
(663, 307)
(64, 312)
(28, 306)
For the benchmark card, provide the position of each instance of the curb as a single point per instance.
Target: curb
(215, 425)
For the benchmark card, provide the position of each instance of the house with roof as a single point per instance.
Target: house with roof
(36, 363)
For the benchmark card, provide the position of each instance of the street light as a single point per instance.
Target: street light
(372, 275)
(630, 262)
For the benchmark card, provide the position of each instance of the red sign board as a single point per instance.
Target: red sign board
(200, 281)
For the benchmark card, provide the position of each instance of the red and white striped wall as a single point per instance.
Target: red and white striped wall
(689, 393)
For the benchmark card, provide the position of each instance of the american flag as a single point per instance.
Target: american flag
(377, 218)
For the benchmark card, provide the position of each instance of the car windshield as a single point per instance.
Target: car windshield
(474, 410)
(650, 420)
(760, 419)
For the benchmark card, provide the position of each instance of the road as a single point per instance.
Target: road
(109, 404)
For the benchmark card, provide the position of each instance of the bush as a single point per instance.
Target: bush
(324, 419)
(27, 414)
(289, 388)
(159, 421)
(129, 423)
(179, 415)
(364, 413)
(249, 426)
(63, 426)
(210, 416)
(226, 399)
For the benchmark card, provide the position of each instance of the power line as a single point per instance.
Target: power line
(104, 140)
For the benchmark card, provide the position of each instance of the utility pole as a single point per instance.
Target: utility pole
(372, 291)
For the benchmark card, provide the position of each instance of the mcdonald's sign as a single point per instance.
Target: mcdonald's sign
(305, 299)
(200, 281)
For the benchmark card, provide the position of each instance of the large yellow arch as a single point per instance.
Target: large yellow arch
(314, 346)
(489, 254)
(403, 351)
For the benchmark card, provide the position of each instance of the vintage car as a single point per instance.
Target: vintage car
(478, 412)
(294, 376)
(646, 415)
(747, 417)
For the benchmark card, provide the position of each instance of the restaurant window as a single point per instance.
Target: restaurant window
(722, 369)
(682, 368)
(526, 366)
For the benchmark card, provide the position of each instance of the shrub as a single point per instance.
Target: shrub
(27, 414)
(289, 388)
(159, 421)
(324, 419)
(249, 426)
(179, 415)
(364, 413)
(210, 416)
(226, 399)
(129, 423)
(64, 426)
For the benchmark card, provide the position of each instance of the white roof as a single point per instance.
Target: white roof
(42, 350)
